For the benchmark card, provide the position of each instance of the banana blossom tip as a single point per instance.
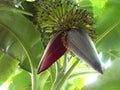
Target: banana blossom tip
(82, 45)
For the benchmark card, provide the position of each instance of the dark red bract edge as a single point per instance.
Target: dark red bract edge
(54, 50)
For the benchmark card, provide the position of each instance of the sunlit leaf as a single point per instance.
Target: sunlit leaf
(86, 4)
(43, 78)
(46, 79)
(110, 80)
(98, 7)
(21, 81)
(107, 27)
(7, 66)
(76, 83)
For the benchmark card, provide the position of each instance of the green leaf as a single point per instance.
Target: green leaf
(21, 81)
(43, 78)
(5, 6)
(110, 80)
(107, 27)
(7, 66)
(20, 39)
(98, 7)
(75, 84)
(46, 78)
(86, 4)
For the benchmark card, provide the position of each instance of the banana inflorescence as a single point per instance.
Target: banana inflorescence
(72, 25)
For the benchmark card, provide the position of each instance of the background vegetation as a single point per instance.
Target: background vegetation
(22, 44)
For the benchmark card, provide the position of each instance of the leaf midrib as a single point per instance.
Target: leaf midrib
(24, 46)
(107, 31)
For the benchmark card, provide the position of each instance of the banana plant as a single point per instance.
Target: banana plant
(69, 36)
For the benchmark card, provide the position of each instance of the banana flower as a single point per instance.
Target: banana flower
(75, 40)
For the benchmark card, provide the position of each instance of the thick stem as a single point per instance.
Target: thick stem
(62, 80)
(34, 73)
(59, 74)
(65, 63)
(33, 69)
(34, 80)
